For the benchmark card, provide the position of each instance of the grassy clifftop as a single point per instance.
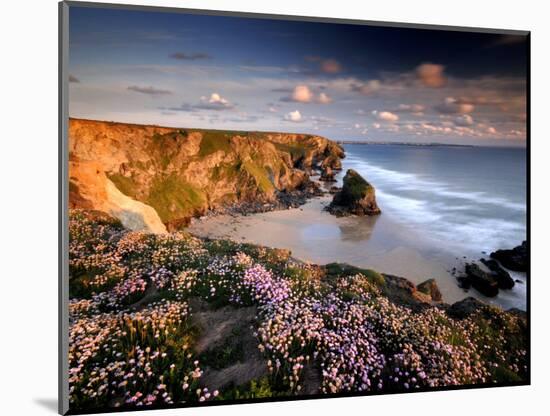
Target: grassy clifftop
(185, 172)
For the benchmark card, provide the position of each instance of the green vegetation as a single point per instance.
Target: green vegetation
(341, 269)
(124, 184)
(173, 198)
(213, 141)
(355, 186)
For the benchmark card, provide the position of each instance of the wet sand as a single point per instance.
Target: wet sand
(377, 242)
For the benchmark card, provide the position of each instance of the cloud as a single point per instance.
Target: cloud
(149, 90)
(324, 98)
(431, 75)
(72, 78)
(415, 109)
(327, 66)
(331, 66)
(464, 120)
(214, 102)
(303, 94)
(189, 57)
(368, 88)
(293, 116)
(452, 106)
(385, 116)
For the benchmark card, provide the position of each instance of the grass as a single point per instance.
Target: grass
(260, 175)
(214, 141)
(124, 184)
(173, 198)
(341, 269)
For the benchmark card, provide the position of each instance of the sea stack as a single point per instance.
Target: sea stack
(357, 197)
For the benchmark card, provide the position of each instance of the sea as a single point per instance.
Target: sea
(466, 199)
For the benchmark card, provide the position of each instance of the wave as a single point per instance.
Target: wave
(411, 182)
(470, 221)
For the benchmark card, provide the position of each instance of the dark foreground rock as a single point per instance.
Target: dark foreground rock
(464, 308)
(481, 280)
(503, 278)
(429, 287)
(357, 197)
(514, 259)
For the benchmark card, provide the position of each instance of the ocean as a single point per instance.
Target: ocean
(466, 199)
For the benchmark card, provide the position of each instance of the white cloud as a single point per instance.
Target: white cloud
(216, 98)
(324, 98)
(464, 120)
(293, 116)
(452, 106)
(415, 109)
(369, 87)
(385, 116)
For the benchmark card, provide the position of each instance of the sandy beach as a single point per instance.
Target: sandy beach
(379, 243)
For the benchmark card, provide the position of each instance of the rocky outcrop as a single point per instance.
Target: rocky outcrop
(430, 288)
(357, 197)
(181, 173)
(515, 259)
(502, 277)
(464, 308)
(481, 280)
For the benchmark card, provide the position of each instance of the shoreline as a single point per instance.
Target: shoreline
(379, 243)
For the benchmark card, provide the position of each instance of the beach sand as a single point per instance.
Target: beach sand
(378, 243)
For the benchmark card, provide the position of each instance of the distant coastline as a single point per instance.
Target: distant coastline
(402, 143)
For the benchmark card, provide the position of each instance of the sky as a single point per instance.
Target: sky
(342, 81)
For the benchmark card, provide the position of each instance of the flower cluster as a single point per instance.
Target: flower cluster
(131, 342)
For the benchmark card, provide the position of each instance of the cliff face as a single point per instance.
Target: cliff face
(150, 177)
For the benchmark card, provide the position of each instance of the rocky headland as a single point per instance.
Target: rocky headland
(157, 178)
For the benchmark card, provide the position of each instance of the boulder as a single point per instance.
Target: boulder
(503, 278)
(334, 189)
(357, 197)
(515, 259)
(482, 281)
(464, 308)
(464, 282)
(429, 287)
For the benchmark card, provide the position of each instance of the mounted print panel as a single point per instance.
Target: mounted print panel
(266, 208)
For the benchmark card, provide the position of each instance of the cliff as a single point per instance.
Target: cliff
(157, 178)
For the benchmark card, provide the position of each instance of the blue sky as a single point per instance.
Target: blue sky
(337, 80)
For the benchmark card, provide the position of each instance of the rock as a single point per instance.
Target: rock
(429, 287)
(515, 259)
(357, 197)
(504, 279)
(482, 281)
(327, 175)
(334, 189)
(464, 308)
(464, 282)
